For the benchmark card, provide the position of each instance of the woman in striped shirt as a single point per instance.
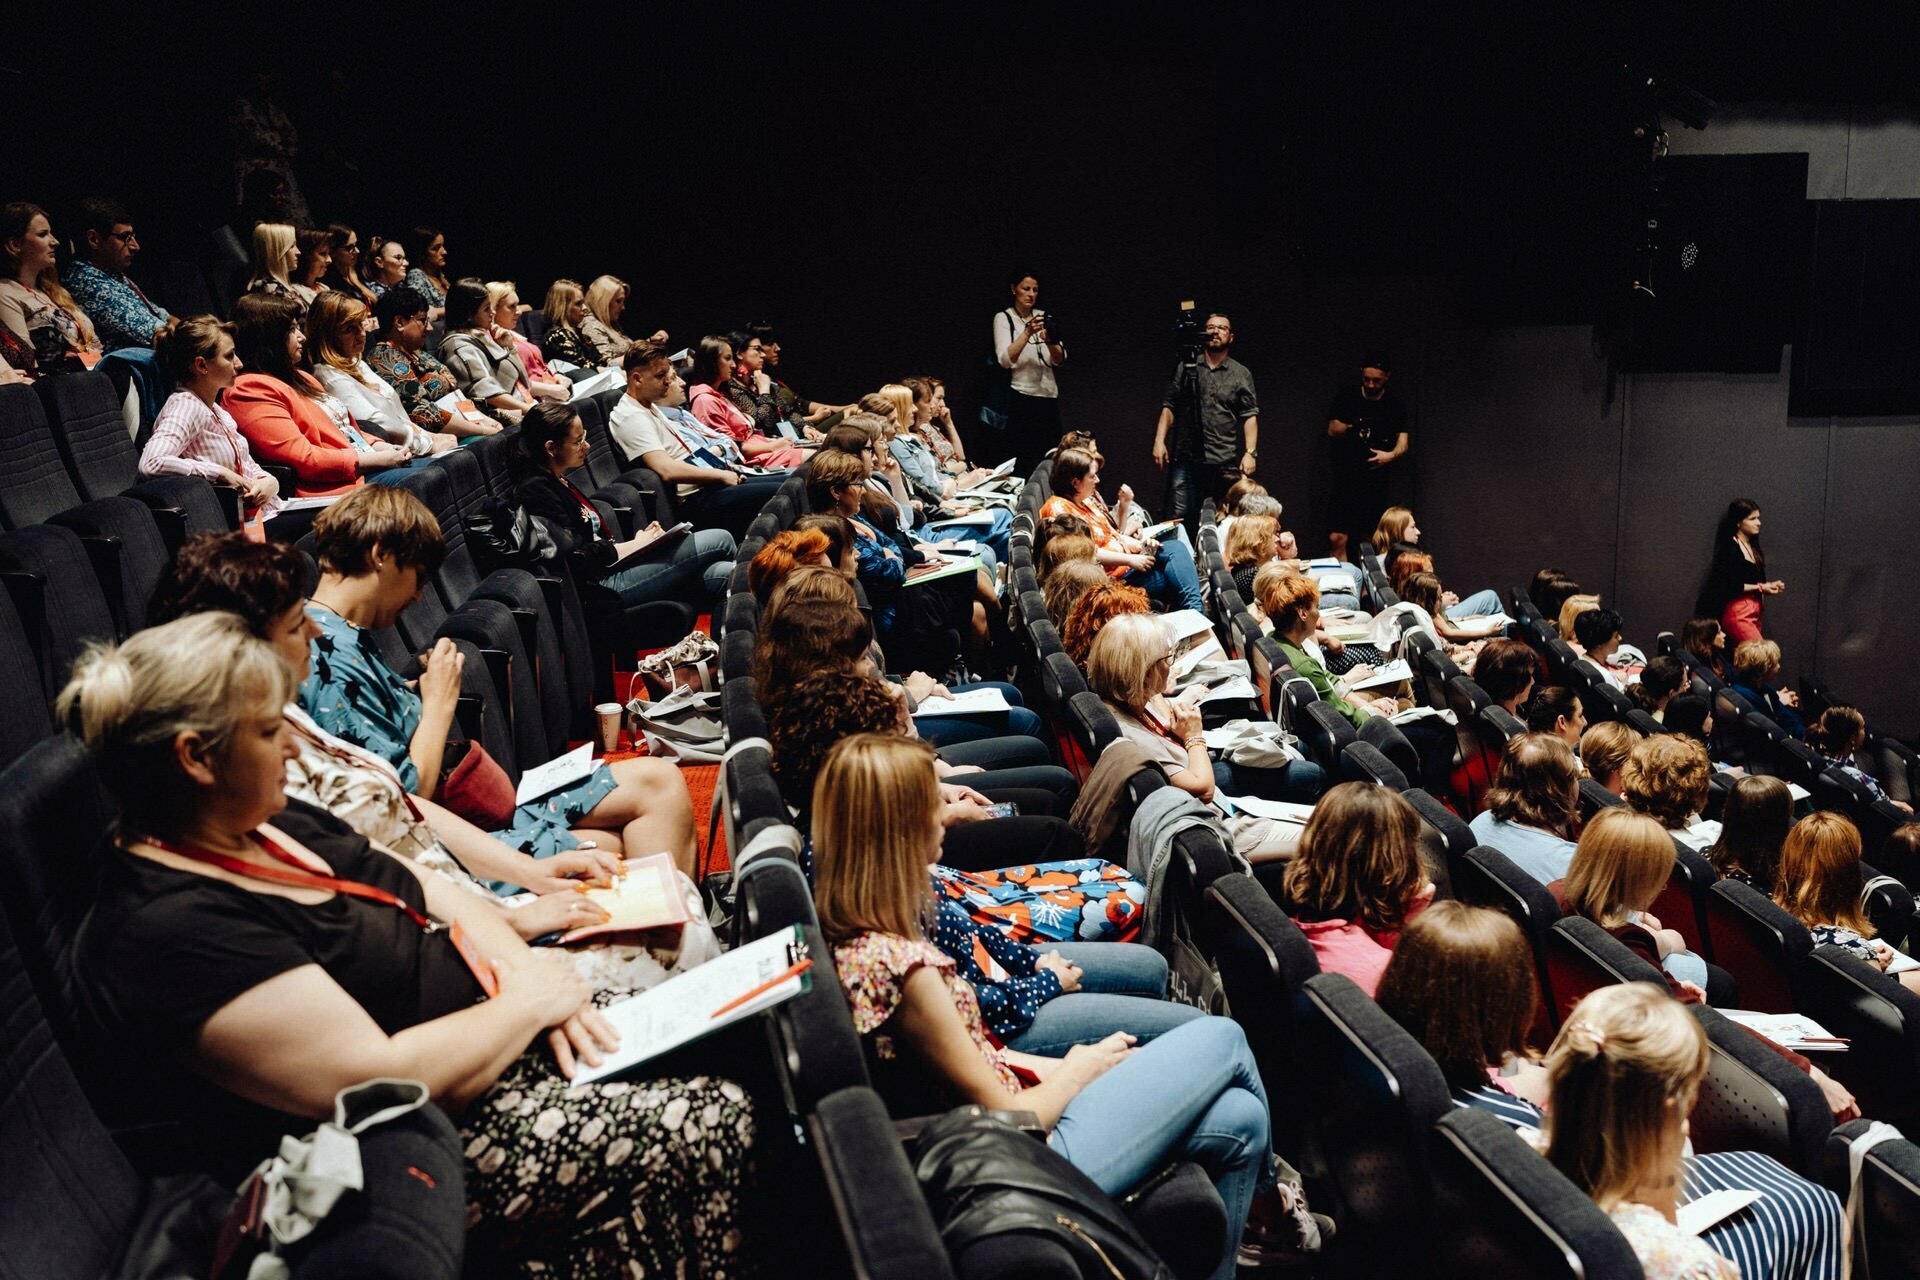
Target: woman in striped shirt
(194, 435)
(1461, 982)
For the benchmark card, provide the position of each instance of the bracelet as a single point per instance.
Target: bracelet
(1197, 740)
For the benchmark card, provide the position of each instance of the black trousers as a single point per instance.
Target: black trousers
(1033, 427)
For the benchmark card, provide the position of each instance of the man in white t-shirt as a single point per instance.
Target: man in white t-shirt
(708, 495)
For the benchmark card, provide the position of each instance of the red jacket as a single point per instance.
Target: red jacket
(287, 429)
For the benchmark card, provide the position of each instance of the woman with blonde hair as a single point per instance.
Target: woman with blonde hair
(1355, 880)
(1820, 884)
(275, 257)
(1756, 665)
(1666, 777)
(194, 434)
(606, 303)
(1570, 608)
(1066, 584)
(1533, 806)
(1114, 1111)
(1252, 543)
(336, 344)
(251, 960)
(1623, 861)
(503, 300)
(1396, 526)
(566, 311)
(1604, 749)
(1130, 665)
(1065, 550)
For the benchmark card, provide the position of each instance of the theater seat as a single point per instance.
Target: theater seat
(884, 1226)
(1881, 1018)
(1755, 1100)
(1888, 1246)
(1763, 947)
(1363, 762)
(1582, 958)
(1263, 960)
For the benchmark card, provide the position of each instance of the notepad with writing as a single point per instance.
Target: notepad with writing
(646, 899)
(934, 570)
(666, 536)
(561, 771)
(682, 1009)
(969, 702)
(1788, 1030)
(1387, 673)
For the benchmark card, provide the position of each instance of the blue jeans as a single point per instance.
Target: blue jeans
(1173, 580)
(1123, 987)
(697, 565)
(1478, 605)
(1299, 781)
(945, 731)
(1192, 1094)
(994, 536)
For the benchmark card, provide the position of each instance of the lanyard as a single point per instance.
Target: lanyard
(1159, 726)
(298, 876)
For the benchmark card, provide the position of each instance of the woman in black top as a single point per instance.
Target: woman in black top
(1738, 576)
(552, 443)
(254, 963)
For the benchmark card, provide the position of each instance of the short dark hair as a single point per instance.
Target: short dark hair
(397, 303)
(1378, 358)
(1595, 627)
(230, 573)
(831, 469)
(1504, 667)
(764, 330)
(377, 514)
(642, 354)
(465, 297)
(98, 213)
(1548, 705)
(1687, 716)
(1070, 467)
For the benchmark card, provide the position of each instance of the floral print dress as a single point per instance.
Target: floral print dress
(874, 968)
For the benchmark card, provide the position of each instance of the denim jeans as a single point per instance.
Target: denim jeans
(946, 731)
(729, 507)
(1191, 483)
(1300, 781)
(994, 536)
(1194, 1093)
(1478, 605)
(697, 565)
(1123, 987)
(1173, 580)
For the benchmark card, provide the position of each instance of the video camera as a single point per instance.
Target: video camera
(1189, 329)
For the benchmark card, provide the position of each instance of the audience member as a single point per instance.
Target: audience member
(274, 257)
(1837, 737)
(401, 359)
(376, 549)
(336, 341)
(244, 999)
(606, 303)
(39, 314)
(1397, 535)
(566, 310)
(1570, 608)
(1355, 881)
(1113, 1109)
(316, 259)
(194, 434)
(551, 444)
(1598, 631)
(933, 425)
(1659, 681)
(1753, 825)
(1706, 640)
(429, 277)
(122, 315)
(1756, 666)
(1164, 569)
(488, 372)
(1666, 778)
(1689, 716)
(1821, 885)
(710, 491)
(713, 367)
(1623, 861)
(1424, 591)
(1093, 610)
(287, 417)
(390, 272)
(1254, 542)
(1533, 806)
(750, 389)
(345, 275)
(1066, 584)
(503, 302)
(1505, 670)
(1549, 591)
(1604, 749)
(1066, 550)
(1556, 710)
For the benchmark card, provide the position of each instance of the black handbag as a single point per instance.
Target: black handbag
(984, 1179)
(507, 536)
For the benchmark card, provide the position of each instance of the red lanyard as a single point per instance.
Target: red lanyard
(1154, 723)
(299, 877)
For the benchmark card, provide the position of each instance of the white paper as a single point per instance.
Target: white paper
(971, 702)
(982, 518)
(1901, 962)
(561, 771)
(1183, 624)
(1423, 713)
(682, 1008)
(1183, 665)
(599, 382)
(1341, 583)
(1322, 562)
(1004, 468)
(1700, 836)
(311, 504)
(1278, 810)
(1483, 625)
(1387, 673)
(787, 429)
(1789, 1030)
(1696, 1216)
(1237, 687)
(1798, 793)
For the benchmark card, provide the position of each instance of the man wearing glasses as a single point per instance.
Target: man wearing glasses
(123, 316)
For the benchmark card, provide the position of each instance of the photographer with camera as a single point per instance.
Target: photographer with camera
(1030, 354)
(1219, 441)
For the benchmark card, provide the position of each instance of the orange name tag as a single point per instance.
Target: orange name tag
(482, 971)
(465, 406)
(89, 358)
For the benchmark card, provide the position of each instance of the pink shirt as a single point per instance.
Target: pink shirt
(194, 438)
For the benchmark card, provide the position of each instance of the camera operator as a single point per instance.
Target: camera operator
(1218, 444)
(1368, 427)
(1030, 355)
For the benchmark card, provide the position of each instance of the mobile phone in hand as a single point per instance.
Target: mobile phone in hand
(1007, 810)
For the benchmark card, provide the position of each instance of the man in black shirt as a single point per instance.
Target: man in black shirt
(1368, 427)
(1219, 444)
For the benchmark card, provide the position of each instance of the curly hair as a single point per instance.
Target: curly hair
(230, 573)
(1666, 778)
(1248, 539)
(817, 713)
(805, 637)
(1097, 606)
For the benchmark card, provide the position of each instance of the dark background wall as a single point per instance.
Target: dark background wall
(1456, 187)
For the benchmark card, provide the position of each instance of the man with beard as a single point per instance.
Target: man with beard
(1219, 439)
(1368, 427)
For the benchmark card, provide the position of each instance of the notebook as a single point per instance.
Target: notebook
(645, 899)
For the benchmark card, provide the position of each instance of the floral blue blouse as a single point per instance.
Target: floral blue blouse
(351, 693)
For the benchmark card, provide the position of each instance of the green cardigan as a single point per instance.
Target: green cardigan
(1305, 666)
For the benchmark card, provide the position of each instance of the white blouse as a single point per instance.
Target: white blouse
(374, 404)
